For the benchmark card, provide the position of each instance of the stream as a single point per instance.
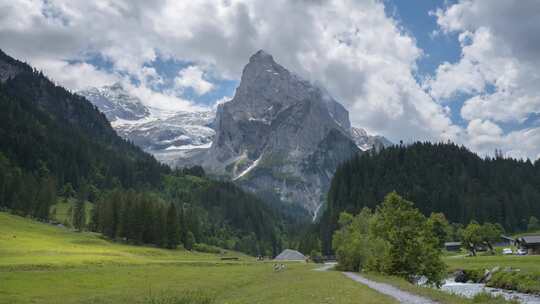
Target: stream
(469, 290)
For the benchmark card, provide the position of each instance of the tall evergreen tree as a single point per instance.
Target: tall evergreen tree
(533, 224)
(190, 241)
(79, 215)
(173, 227)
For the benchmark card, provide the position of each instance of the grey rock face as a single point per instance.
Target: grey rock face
(116, 103)
(9, 67)
(279, 135)
(7, 71)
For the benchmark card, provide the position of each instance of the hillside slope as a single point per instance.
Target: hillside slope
(26, 244)
(42, 124)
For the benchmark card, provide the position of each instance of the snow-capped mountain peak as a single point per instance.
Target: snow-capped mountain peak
(116, 103)
(167, 135)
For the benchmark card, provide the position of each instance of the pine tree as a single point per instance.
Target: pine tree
(159, 226)
(68, 191)
(79, 215)
(533, 224)
(173, 229)
(190, 240)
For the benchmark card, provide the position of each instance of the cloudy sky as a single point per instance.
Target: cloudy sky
(466, 71)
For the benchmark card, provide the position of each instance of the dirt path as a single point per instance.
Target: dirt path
(326, 266)
(389, 290)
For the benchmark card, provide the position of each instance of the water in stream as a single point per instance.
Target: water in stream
(469, 290)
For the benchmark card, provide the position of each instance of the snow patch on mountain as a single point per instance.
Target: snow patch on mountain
(166, 134)
(367, 142)
(246, 171)
(116, 103)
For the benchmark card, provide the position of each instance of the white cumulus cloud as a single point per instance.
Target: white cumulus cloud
(193, 77)
(498, 71)
(352, 47)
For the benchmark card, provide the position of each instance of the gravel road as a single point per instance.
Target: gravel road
(389, 290)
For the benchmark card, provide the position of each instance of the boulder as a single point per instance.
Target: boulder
(486, 276)
(460, 276)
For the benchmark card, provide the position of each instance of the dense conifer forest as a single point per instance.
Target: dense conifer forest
(439, 178)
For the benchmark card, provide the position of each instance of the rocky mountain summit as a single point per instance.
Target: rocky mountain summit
(280, 136)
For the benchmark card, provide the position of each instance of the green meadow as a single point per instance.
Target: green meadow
(528, 263)
(42, 263)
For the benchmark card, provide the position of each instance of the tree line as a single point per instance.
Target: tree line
(189, 210)
(27, 194)
(438, 177)
(141, 218)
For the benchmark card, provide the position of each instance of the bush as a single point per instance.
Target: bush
(355, 248)
(474, 275)
(200, 247)
(487, 298)
(522, 282)
(529, 284)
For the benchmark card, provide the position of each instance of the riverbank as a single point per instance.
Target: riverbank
(518, 273)
(437, 295)
(470, 290)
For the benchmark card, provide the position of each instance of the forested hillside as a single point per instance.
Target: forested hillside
(204, 211)
(57, 144)
(438, 178)
(44, 124)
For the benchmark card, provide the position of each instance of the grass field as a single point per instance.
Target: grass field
(525, 263)
(26, 244)
(41, 263)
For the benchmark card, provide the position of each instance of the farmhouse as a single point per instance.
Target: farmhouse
(452, 246)
(530, 242)
(290, 255)
(505, 241)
